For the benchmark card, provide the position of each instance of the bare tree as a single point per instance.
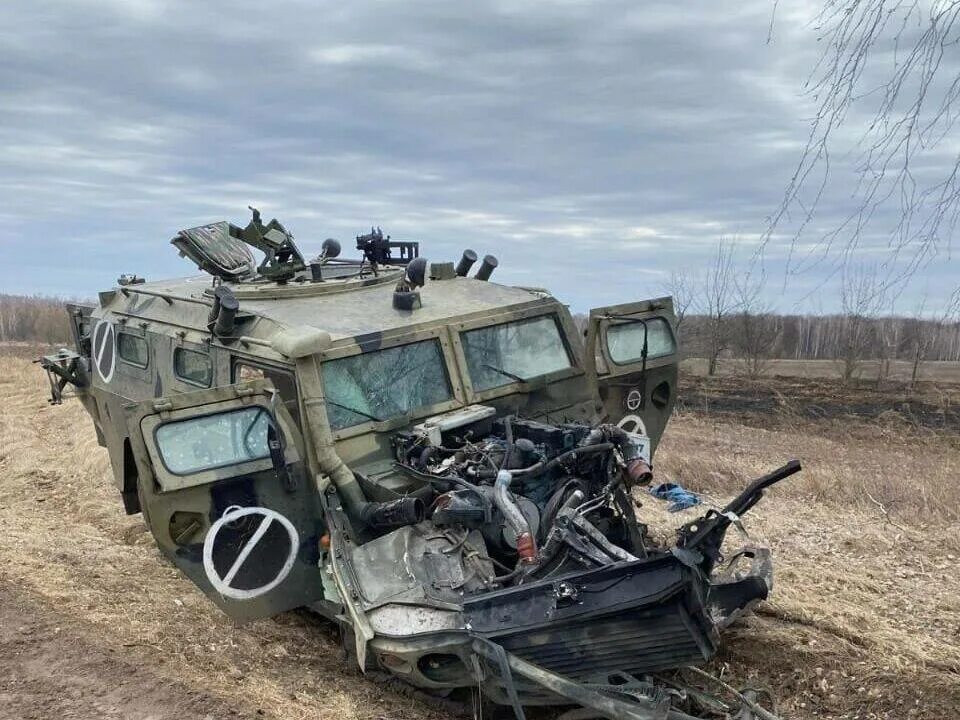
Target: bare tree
(861, 295)
(33, 318)
(889, 69)
(887, 331)
(681, 286)
(717, 302)
(756, 327)
(581, 321)
(926, 335)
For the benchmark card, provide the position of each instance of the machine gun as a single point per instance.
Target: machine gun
(704, 536)
(377, 249)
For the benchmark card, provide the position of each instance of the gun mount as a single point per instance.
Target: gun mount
(378, 248)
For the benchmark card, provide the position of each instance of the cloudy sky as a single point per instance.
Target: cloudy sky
(592, 146)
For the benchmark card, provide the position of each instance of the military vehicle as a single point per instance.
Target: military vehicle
(445, 466)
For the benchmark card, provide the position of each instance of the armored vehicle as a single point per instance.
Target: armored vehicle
(445, 466)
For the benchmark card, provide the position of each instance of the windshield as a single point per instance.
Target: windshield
(514, 352)
(625, 341)
(212, 441)
(383, 384)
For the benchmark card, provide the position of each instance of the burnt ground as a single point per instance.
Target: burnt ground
(926, 406)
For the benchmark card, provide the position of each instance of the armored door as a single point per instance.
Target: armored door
(224, 490)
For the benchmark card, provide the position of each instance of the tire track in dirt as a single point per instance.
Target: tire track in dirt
(50, 669)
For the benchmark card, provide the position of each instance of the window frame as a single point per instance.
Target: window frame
(189, 381)
(652, 360)
(567, 332)
(250, 462)
(216, 400)
(377, 341)
(236, 360)
(121, 331)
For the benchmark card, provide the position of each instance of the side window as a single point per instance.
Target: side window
(193, 367)
(133, 349)
(213, 441)
(625, 341)
(283, 381)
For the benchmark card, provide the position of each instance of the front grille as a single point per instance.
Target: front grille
(630, 642)
(635, 617)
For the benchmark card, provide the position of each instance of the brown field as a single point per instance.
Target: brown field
(941, 371)
(864, 621)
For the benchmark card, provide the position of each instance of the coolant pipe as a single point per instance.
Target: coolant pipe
(396, 513)
(526, 547)
(359, 509)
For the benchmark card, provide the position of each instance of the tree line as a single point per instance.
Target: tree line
(757, 339)
(33, 319)
(719, 314)
(722, 311)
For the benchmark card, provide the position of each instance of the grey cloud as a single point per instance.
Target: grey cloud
(592, 146)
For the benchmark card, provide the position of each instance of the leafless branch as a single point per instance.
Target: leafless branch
(915, 47)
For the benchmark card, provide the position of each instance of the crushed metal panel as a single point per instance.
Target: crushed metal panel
(216, 249)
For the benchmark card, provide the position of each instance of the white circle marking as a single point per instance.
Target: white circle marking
(634, 398)
(633, 424)
(101, 346)
(222, 584)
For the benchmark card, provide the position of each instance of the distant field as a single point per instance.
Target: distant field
(935, 371)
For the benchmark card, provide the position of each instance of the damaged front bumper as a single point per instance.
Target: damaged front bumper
(600, 639)
(596, 639)
(609, 640)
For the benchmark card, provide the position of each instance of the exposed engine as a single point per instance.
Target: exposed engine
(546, 499)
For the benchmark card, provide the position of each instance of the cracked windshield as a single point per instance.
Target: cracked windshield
(514, 352)
(384, 384)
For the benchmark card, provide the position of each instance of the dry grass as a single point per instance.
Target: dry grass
(864, 621)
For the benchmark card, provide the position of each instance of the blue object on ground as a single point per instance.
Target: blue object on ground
(680, 498)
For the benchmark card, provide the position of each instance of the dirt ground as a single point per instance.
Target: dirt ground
(52, 667)
(864, 621)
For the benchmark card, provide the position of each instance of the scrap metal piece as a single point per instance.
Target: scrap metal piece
(745, 580)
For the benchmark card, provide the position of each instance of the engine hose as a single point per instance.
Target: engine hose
(639, 471)
(544, 466)
(554, 503)
(526, 545)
